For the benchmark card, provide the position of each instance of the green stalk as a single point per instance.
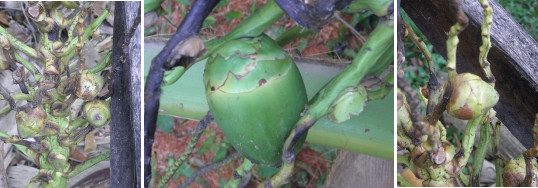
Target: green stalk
(19, 45)
(20, 96)
(292, 34)
(480, 154)
(281, 177)
(468, 140)
(26, 64)
(452, 44)
(69, 4)
(253, 26)
(380, 40)
(380, 7)
(464, 179)
(89, 163)
(102, 64)
(360, 134)
(498, 161)
(240, 171)
(257, 22)
(486, 43)
(5, 110)
(173, 76)
(150, 5)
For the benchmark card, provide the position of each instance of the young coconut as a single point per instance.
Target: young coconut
(256, 95)
(471, 97)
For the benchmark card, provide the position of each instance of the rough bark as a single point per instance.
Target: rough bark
(124, 101)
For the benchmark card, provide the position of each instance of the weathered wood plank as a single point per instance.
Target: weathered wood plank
(123, 125)
(359, 170)
(513, 57)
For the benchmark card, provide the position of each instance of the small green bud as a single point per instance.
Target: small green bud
(514, 172)
(34, 123)
(471, 97)
(97, 112)
(350, 102)
(57, 161)
(89, 85)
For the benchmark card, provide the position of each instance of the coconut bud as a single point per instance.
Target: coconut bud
(514, 172)
(97, 112)
(52, 66)
(4, 42)
(31, 123)
(66, 87)
(350, 102)
(57, 161)
(89, 85)
(471, 97)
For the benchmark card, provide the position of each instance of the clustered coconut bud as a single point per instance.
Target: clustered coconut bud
(471, 97)
(514, 172)
(89, 85)
(31, 123)
(97, 112)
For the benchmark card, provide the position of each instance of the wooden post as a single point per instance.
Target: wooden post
(125, 100)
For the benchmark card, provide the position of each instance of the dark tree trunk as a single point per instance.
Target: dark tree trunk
(125, 99)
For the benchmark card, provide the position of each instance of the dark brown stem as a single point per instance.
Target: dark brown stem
(420, 127)
(7, 96)
(440, 107)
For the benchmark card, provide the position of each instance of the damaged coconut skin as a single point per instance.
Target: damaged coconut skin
(256, 95)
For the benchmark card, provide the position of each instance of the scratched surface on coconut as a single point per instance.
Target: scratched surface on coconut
(256, 94)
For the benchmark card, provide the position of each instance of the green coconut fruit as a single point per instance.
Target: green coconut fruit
(471, 97)
(256, 95)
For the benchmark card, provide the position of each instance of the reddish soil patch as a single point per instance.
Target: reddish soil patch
(168, 146)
